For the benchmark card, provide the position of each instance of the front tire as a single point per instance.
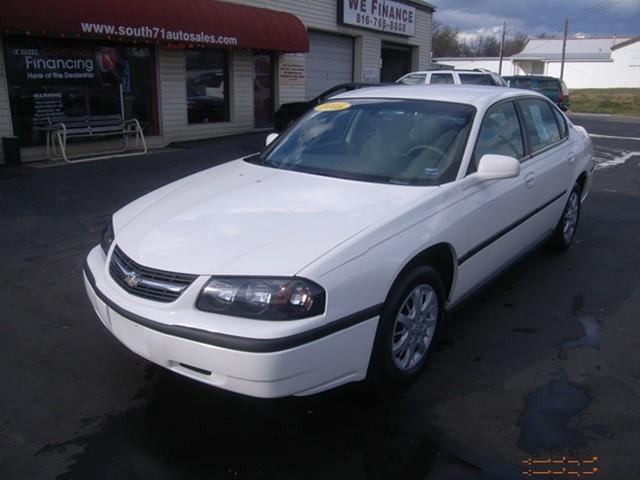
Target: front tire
(565, 232)
(409, 324)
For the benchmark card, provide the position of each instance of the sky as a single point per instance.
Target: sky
(588, 17)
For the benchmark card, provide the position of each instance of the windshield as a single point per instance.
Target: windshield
(408, 142)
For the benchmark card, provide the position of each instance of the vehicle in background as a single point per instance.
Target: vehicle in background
(440, 66)
(453, 77)
(204, 108)
(288, 113)
(552, 88)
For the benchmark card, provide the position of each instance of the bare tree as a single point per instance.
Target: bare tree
(515, 44)
(447, 42)
(488, 46)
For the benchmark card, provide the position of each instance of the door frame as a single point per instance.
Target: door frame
(274, 85)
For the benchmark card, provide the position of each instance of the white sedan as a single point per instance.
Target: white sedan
(333, 255)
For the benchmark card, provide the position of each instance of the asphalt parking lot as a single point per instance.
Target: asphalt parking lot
(543, 363)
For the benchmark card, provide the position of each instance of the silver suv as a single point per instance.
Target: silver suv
(454, 77)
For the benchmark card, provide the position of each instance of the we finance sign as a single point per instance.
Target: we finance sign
(382, 15)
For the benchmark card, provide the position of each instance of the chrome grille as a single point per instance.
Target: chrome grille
(147, 282)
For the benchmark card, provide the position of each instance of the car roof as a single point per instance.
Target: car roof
(449, 70)
(356, 84)
(480, 96)
(543, 77)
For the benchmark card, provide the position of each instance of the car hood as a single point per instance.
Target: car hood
(241, 218)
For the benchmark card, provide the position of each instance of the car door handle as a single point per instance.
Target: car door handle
(571, 157)
(530, 179)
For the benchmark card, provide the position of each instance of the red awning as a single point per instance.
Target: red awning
(180, 23)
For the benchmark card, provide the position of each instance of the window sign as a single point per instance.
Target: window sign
(540, 124)
(46, 105)
(382, 15)
(49, 79)
(110, 65)
(371, 75)
(292, 70)
(126, 77)
(53, 65)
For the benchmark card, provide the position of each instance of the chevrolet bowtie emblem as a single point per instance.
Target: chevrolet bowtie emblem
(132, 279)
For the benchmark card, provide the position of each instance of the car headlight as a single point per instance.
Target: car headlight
(107, 237)
(266, 298)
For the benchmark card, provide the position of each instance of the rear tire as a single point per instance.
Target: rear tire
(565, 232)
(408, 327)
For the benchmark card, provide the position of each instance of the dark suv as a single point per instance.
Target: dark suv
(288, 113)
(553, 88)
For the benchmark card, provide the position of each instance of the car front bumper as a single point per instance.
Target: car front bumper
(301, 364)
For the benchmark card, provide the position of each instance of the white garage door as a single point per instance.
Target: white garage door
(329, 62)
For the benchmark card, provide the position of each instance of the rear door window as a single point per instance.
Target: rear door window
(441, 78)
(540, 125)
(414, 78)
(476, 79)
(562, 123)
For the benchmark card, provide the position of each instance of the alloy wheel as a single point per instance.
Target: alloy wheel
(570, 219)
(414, 327)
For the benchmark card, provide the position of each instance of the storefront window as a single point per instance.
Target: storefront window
(207, 98)
(50, 79)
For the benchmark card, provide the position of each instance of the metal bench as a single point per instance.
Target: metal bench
(62, 129)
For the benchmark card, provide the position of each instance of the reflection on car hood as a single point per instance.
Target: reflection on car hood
(241, 218)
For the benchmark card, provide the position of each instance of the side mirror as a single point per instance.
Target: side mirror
(270, 138)
(495, 167)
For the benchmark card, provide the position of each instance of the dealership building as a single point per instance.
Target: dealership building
(193, 69)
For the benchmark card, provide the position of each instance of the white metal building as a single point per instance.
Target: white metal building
(183, 83)
(590, 62)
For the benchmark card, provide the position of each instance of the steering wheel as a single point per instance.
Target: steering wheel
(431, 148)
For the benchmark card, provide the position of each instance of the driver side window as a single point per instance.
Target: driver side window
(500, 134)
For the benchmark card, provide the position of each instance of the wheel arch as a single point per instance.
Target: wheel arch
(582, 180)
(442, 257)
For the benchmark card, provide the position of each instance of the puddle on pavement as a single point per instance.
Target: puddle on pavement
(544, 424)
(591, 337)
(189, 430)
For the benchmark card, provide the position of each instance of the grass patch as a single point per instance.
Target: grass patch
(616, 101)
